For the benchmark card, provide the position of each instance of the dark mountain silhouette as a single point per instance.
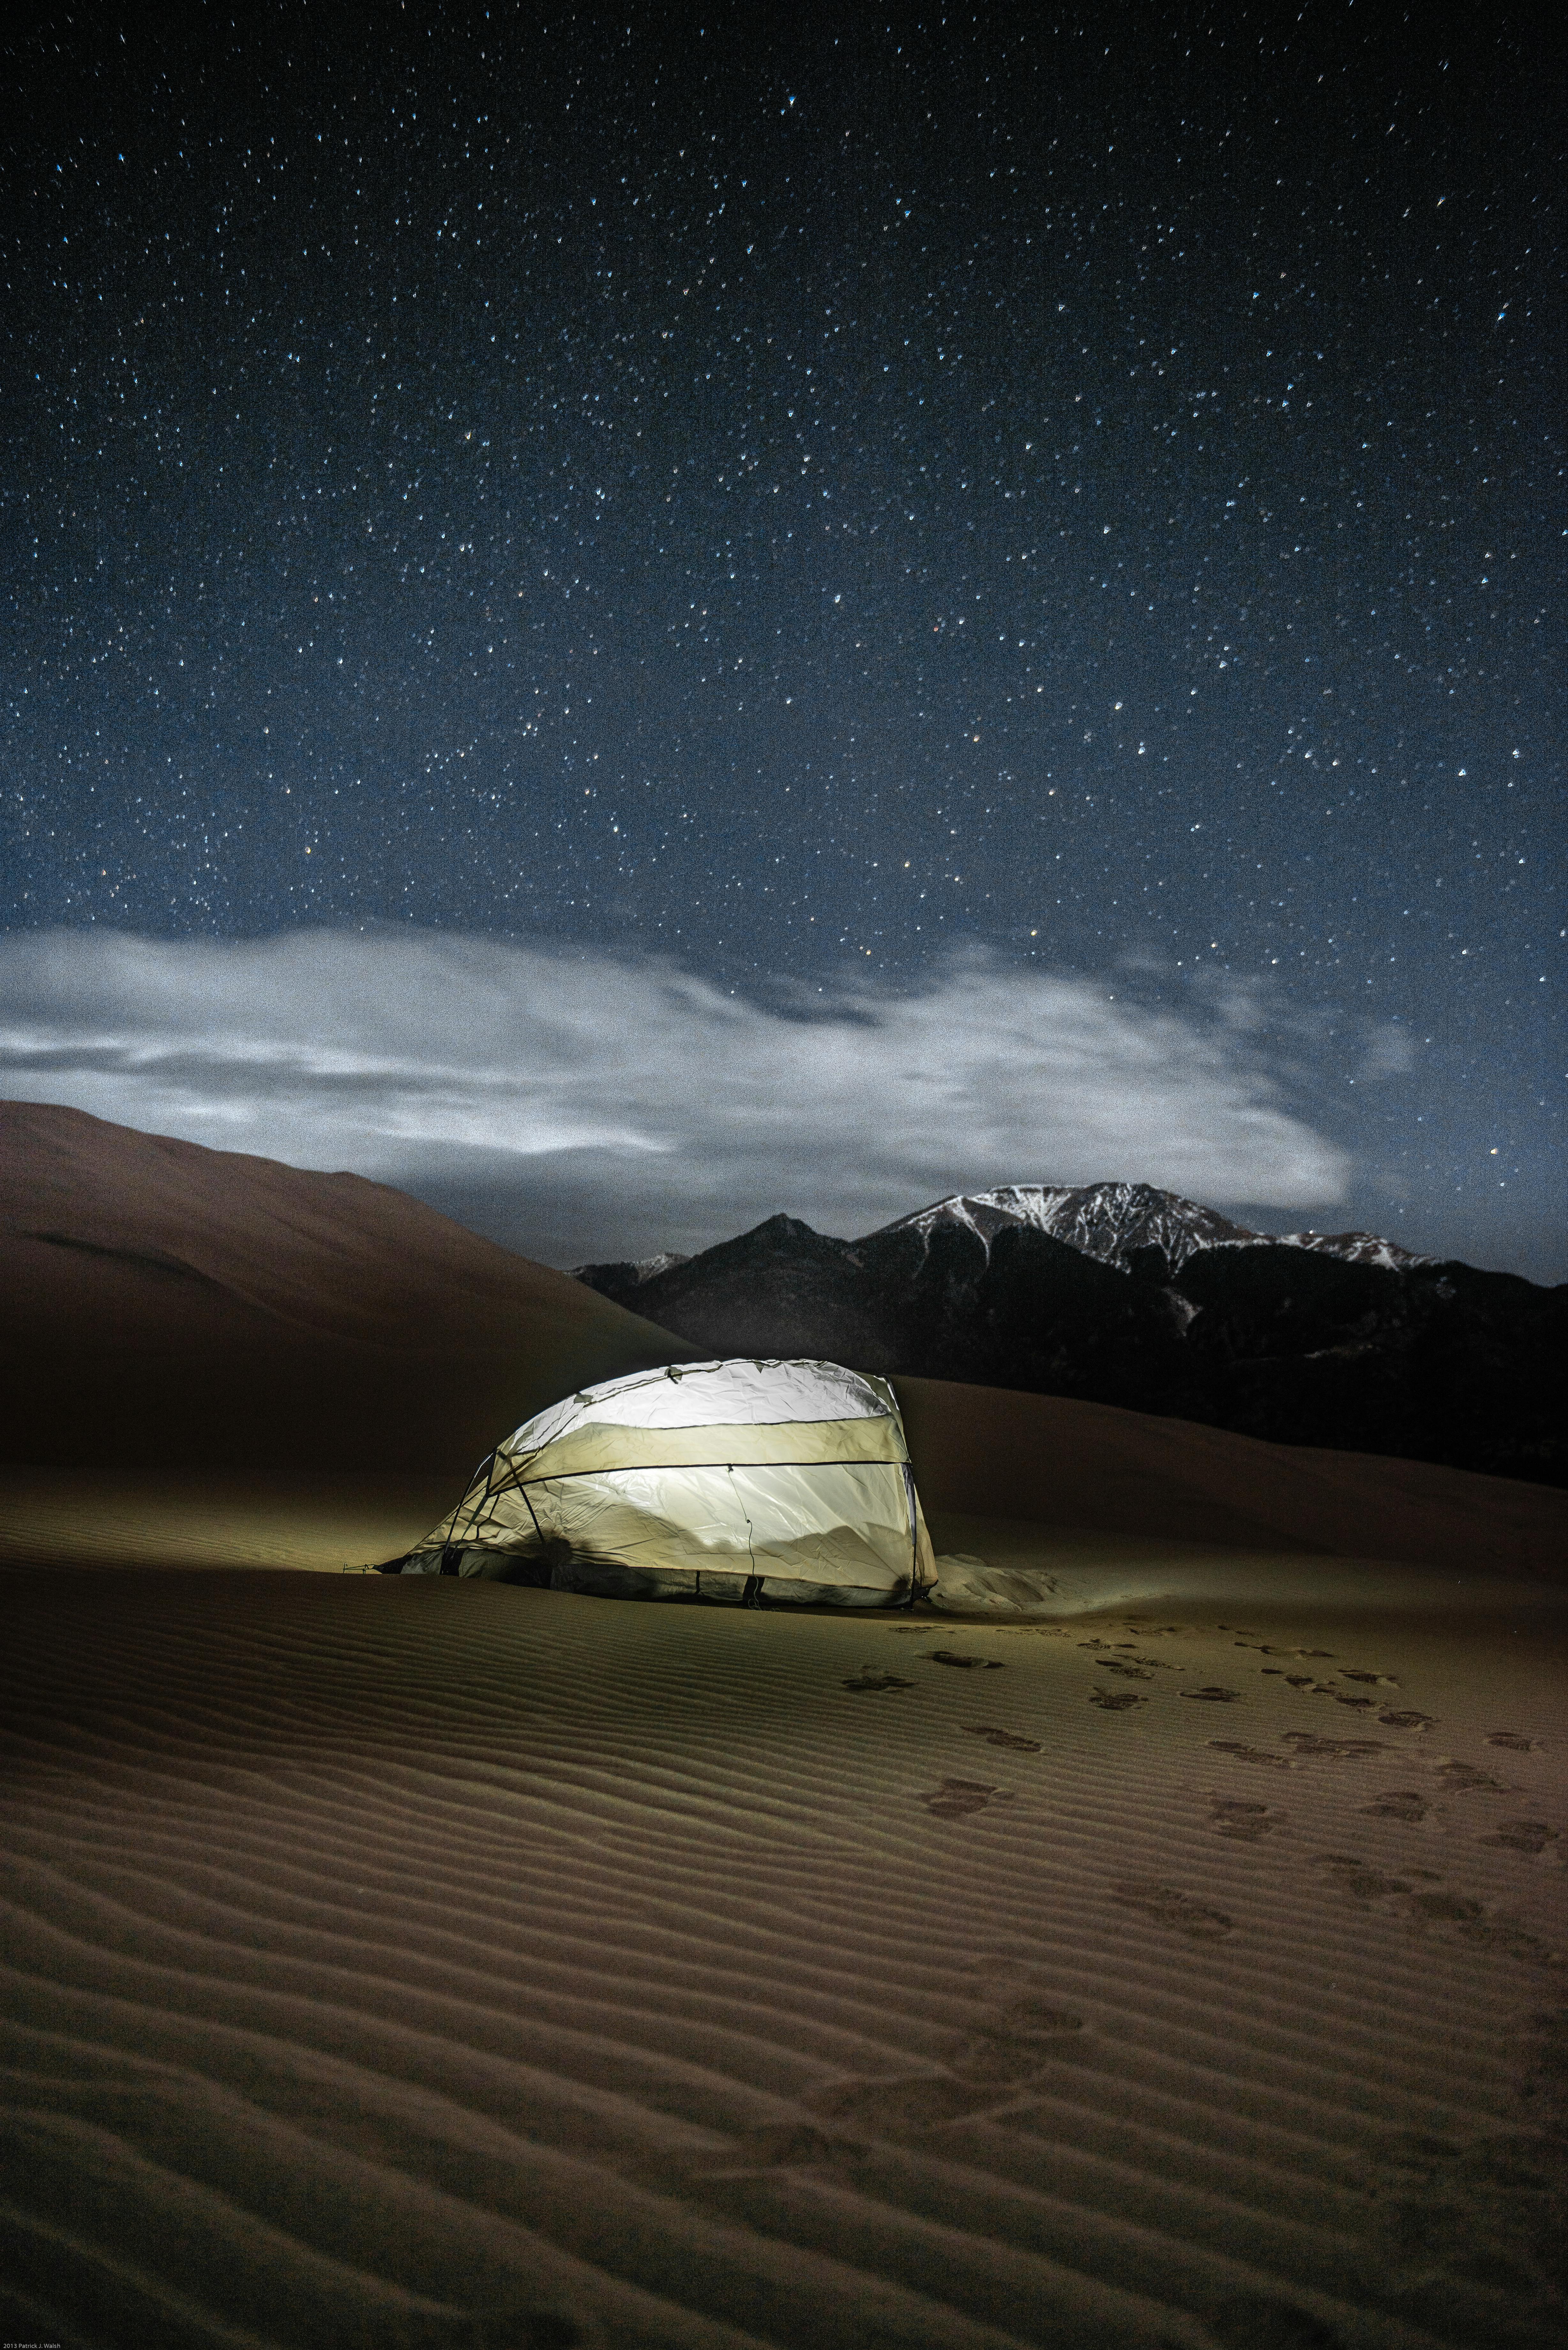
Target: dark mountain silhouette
(1125, 1295)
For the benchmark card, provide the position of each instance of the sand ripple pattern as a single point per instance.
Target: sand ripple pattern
(397, 1965)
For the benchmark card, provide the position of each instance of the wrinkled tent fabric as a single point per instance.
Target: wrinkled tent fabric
(746, 1482)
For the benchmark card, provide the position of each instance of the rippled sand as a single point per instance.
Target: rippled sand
(436, 1962)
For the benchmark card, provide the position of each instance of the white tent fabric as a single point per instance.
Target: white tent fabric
(747, 1483)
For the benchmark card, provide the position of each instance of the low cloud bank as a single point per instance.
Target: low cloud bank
(587, 1105)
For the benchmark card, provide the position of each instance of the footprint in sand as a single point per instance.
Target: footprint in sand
(1489, 1930)
(1166, 1906)
(1489, 2214)
(1376, 1680)
(1523, 1835)
(956, 1798)
(1114, 1700)
(1408, 1720)
(1018, 2041)
(1268, 1648)
(1032, 2018)
(869, 1677)
(1242, 1821)
(1397, 1803)
(1464, 1779)
(1307, 1741)
(780, 2145)
(899, 2108)
(1356, 1880)
(1003, 1738)
(1024, 2038)
(1252, 1753)
(1215, 1696)
(1448, 1908)
(969, 1664)
(1513, 1740)
(997, 2060)
(1319, 1689)
(1471, 1919)
(1128, 1668)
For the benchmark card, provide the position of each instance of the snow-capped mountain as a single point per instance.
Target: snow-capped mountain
(1111, 1220)
(1356, 1248)
(1121, 1293)
(630, 1272)
(648, 1268)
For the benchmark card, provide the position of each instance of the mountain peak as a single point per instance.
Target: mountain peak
(1106, 1220)
(1111, 1222)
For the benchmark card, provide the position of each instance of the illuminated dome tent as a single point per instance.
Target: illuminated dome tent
(754, 1483)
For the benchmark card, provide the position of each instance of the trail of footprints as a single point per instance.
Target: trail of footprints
(1243, 1819)
(1484, 2210)
(988, 2064)
(1127, 1661)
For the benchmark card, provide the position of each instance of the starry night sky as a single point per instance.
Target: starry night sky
(1073, 498)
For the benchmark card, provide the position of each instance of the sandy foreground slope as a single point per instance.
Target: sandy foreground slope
(1174, 1958)
(435, 1963)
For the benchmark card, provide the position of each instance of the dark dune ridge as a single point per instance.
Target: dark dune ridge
(1061, 1463)
(172, 1304)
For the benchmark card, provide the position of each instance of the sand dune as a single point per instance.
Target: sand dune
(435, 1965)
(1061, 1463)
(173, 1306)
(443, 1963)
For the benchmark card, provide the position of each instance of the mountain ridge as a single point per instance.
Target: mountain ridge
(1102, 1220)
(1123, 1293)
(1106, 1221)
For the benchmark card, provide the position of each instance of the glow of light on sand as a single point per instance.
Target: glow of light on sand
(400, 1054)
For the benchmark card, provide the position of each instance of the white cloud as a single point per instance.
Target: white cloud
(452, 1065)
(1390, 1052)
